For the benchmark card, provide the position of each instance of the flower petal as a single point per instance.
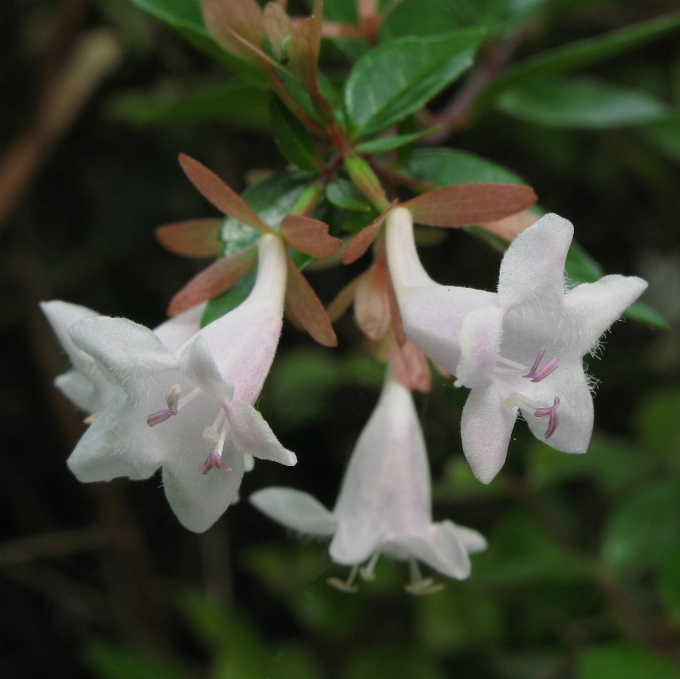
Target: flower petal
(296, 510)
(486, 425)
(354, 543)
(175, 332)
(441, 549)
(472, 540)
(115, 446)
(197, 363)
(533, 266)
(199, 500)
(82, 391)
(595, 306)
(253, 435)
(480, 343)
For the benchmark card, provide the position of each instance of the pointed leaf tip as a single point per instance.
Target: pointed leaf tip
(364, 239)
(214, 280)
(306, 308)
(303, 52)
(224, 198)
(191, 238)
(226, 18)
(309, 236)
(467, 204)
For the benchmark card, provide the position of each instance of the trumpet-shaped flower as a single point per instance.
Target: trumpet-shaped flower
(187, 411)
(519, 349)
(384, 505)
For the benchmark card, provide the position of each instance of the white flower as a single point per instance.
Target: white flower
(384, 505)
(520, 349)
(189, 411)
(85, 384)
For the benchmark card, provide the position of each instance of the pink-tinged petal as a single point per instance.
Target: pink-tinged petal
(440, 548)
(480, 342)
(486, 426)
(116, 445)
(198, 500)
(406, 270)
(295, 510)
(252, 435)
(595, 306)
(532, 270)
(177, 331)
(197, 363)
(125, 351)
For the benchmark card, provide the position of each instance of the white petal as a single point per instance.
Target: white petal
(296, 510)
(575, 411)
(253, 435)
(198, 500)
(177, 331)
(533, 266)
(354, 542)
(486, 426)
(472, 540)
(480, 343)
(441, 548)
(595, 306)
(197, 363)
(125, 351)
(114, 446)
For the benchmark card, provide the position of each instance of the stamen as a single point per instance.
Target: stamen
(366, 573)
(536, 374)
(161, 416)
(512, 364)
(189, 397)
(213, 461)
(172, 398)
(345, 586)
(552, 414)
(420, 586)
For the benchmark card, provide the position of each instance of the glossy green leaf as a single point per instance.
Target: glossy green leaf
(579, 54)
(401, 76)
(389, 143)
(344, 194)
(239, 104)
(582, 103)
(186, 18)
(623, 661)
(444, 167)
(229, 300)
(292, 138)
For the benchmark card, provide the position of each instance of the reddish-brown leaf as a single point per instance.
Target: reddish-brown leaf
(343, 300)
(306, 308)
(277, 25)
(192, 238)
(410, 366)
(466, 204)
(363, 240)
(303, 52)
(224, 198)
(372, 302)
(214, 280)
(226, 18)
(309, 236)
(510, 227)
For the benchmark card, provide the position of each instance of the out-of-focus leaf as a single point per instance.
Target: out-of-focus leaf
(665, 137)
(186, 18)
(292, 138)
(340, 11)
(310, 236)
(344, 194)
(293, 662)
(639, 311)
(644, 526)
(191, 238)
(114, 661)
(659, 424)
(458, 620)
(448, 166)
(382, 144)
(458, 484)
(575, 55)
(623, 661)
(391, 663)
(584, 103)
(240, 105)
(363, 240)
(669, 581)
(399, 77)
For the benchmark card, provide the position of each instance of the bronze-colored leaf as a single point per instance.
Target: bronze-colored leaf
(309, 236)
(277, 26)
(214, 280)
(192, 238)
(364, 239)
(226, 18)
(306, 308)
(224, 198)
(372, 303)
(303, 52)
(510, 227)
(343, 300)
(467, 204)
(395, 313)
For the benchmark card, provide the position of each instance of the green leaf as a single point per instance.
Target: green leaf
(186, 18)
(345, 195)
(292, 138)
(229, 300)
(340, 11)
(113, 661)
(582, 103)
(644, 527)
(658, 423)
(622, 661)
(241, 105)
(389, 143)
(444, 167)
(578, 54)
(669, 582)
(401, 76)
(391, 663)
(665, 137)
(639, 311)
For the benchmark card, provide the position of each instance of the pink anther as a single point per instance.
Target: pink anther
(160, 416)
(552, 414)
(213, 461)
(537, 374)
